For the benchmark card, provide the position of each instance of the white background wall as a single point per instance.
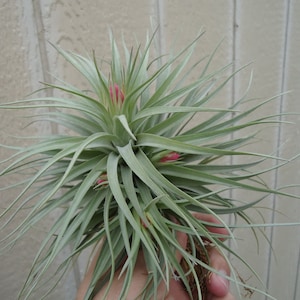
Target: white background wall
(264, 32)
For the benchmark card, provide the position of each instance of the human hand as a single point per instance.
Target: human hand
(217, 286)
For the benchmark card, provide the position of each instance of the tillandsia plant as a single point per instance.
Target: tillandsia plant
(143, 151)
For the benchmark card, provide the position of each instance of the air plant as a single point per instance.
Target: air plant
(143, 150)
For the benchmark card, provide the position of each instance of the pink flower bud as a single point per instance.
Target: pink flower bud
(102, 178)
(116, 93)
(99, 181)
(172, 156)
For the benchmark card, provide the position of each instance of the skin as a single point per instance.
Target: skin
(218, 286)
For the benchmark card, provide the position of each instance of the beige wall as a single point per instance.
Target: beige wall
(266, 33)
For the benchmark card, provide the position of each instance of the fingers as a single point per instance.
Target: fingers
(182, 238)
(213, 220)
(217, 284)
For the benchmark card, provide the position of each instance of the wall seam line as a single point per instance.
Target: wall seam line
(296, 289)
(160, 11)
(44, 61)
(233, 89)
(279, 136)
(45, 66)
(297, 277)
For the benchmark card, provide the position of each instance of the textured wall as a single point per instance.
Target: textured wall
(266, 33)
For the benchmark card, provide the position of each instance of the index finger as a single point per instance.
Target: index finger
(210, 219)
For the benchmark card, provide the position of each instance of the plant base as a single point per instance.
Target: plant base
(201, 271)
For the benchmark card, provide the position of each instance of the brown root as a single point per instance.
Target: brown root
(201, 271)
